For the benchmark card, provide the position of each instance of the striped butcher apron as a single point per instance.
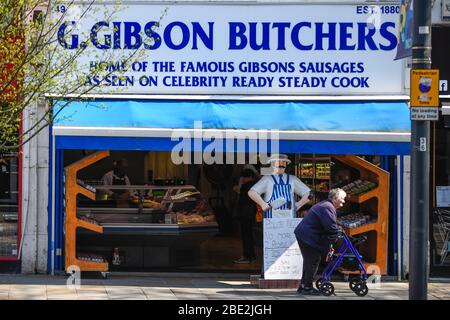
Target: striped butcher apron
(281, 190)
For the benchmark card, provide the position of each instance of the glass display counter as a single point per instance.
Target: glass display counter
(146, 209)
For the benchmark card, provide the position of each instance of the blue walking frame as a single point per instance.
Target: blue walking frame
(346, 249)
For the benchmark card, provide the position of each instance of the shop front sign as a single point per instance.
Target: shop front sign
(238, 49)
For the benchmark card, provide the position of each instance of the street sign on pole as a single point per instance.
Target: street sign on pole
(424, 88)
(424, 101)
(424, 113)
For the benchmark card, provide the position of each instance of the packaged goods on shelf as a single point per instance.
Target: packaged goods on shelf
(210, 218)
(188, 218)
(323, 170)
(87, 186)
(307, 170)
(147, 203)
(184, 195)
(354, 220)
(151, 203)
(359, 187)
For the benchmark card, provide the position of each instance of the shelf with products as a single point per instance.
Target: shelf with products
(356, 223)
(323, 170)
(315, 171)
(368, 195)
(307, 170)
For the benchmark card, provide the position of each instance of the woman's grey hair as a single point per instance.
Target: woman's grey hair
(334, 193)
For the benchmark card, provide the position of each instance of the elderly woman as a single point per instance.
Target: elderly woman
(313, 233)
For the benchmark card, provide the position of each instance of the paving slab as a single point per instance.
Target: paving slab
(210, 283)
(4, 287)
(93, 296)
(151, 283)
(61, 290)
(28, 297)
(178, 283)
(159, 294)
(4, 296)
(188, 294)
(125, 293)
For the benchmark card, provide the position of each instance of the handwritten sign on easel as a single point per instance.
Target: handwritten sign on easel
(282, 257)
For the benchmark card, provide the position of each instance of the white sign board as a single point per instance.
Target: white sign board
(282, 257)
(443, 196)
(424, 113)
(276, 49)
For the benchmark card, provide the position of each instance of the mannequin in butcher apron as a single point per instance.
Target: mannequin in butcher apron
(277, 188)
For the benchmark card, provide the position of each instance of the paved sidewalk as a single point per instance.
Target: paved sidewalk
(186, 287)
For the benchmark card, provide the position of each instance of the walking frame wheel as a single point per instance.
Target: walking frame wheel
(327, 289)
(353, 282)
(360, 288)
